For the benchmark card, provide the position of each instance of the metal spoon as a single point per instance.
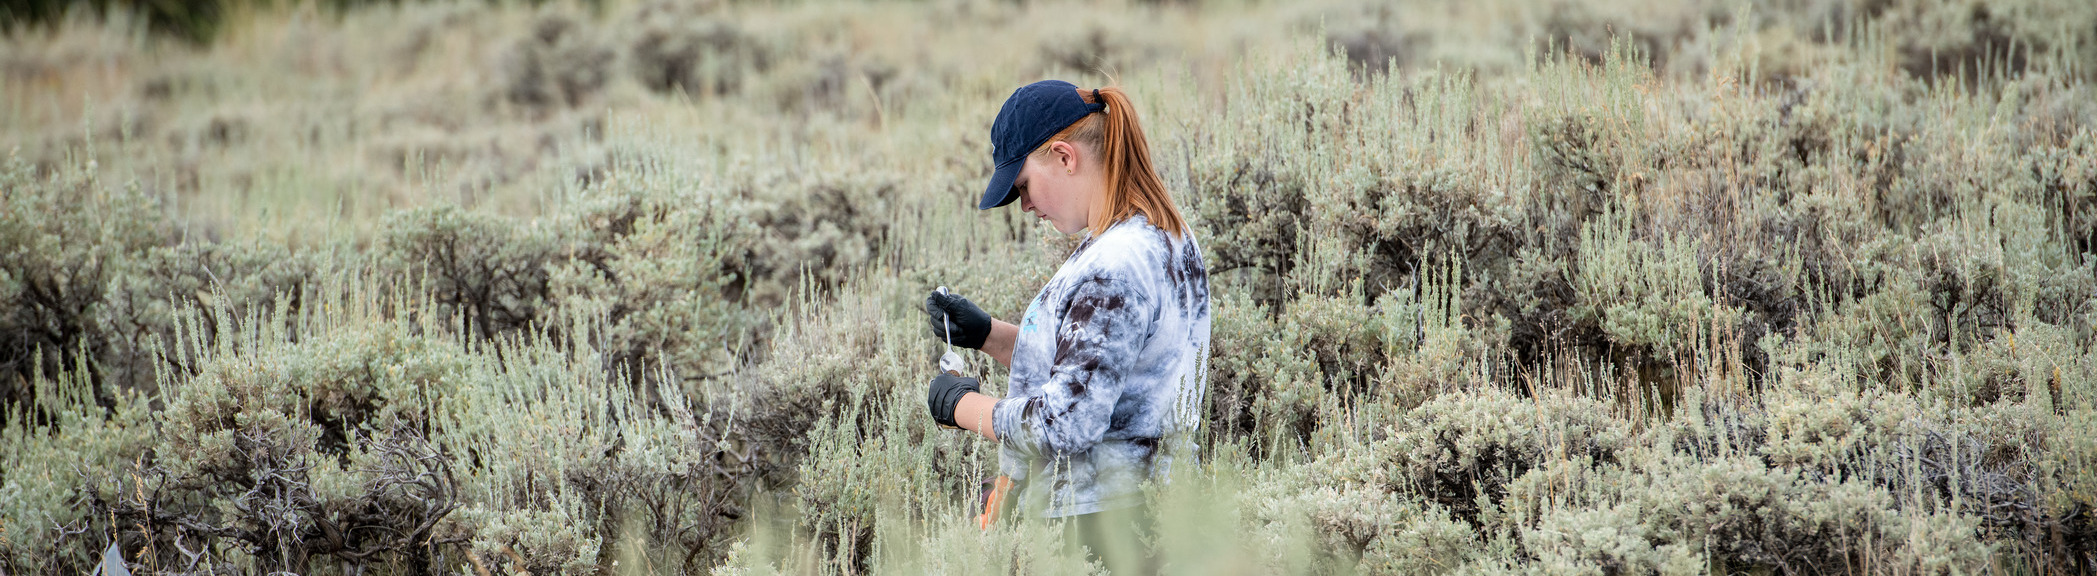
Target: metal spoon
(950, 362)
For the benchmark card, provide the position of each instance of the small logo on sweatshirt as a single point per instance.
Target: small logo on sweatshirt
(1028, 323)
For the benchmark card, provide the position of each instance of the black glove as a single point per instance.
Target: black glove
(946, 393)
(970, 325)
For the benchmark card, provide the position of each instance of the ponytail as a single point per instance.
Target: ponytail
(1133, 185)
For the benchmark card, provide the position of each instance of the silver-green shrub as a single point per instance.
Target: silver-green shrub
(66, 235)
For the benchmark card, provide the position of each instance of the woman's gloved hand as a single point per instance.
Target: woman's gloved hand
(945, 394)
(970, 326)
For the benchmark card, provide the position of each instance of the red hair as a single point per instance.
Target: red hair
(1133, 185)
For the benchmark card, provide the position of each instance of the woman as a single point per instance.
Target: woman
(1108, 363)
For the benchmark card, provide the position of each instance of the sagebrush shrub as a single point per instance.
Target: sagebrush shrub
(559, 63)
(66, 235)
(493, 275)
(680, 46)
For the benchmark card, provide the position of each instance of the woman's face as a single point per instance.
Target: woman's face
(1060, 185)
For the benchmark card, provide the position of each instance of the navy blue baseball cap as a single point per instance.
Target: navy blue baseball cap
(1032, 115)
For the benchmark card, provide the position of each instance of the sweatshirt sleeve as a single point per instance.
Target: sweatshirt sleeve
(1106, 325)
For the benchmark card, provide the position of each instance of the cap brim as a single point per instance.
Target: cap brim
(1000, 191)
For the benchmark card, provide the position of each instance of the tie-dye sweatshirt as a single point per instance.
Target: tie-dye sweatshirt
(1111, 362)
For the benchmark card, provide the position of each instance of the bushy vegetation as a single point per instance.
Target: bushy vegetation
(1579, 287)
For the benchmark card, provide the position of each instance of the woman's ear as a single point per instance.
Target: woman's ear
(1066, 156)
